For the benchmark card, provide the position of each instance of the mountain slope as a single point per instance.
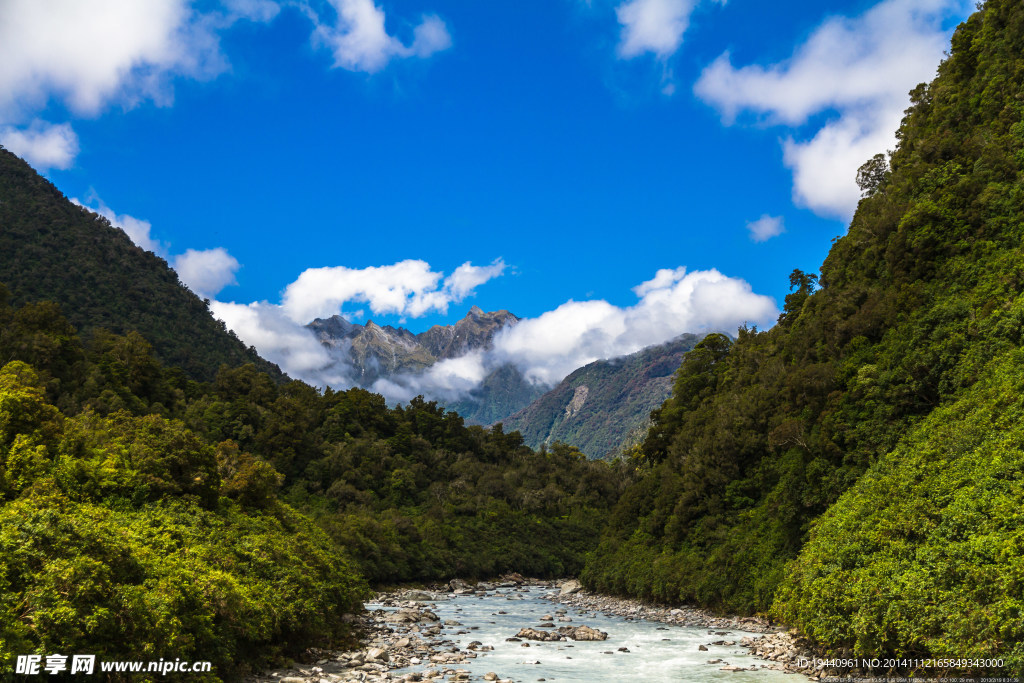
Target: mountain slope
(501, 393)
(605, 406)
(52, 250)
(763, 435)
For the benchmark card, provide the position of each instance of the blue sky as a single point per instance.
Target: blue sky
(567, 150)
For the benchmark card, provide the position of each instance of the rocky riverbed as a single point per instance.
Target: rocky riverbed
(406, 639)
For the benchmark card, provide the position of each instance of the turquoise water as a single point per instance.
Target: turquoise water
(657, 652)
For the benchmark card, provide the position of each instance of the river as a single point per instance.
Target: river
(636, 650)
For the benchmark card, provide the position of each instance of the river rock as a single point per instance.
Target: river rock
(570, 587)
(377, 654)
(420, 596)
(534, 634)
(582, 633)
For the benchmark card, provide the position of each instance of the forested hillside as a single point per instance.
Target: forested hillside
(52, 250)
(144, 514)
(894, 373)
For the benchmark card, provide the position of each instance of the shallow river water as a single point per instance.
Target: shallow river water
(656, 651)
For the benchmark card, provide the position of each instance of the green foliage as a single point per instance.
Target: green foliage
(114, 540)
(167, 579)
(922, 556)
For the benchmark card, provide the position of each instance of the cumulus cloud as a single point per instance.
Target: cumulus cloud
(43, 145)
(359, 40)
(408, 287)
(207, 271)
(655, 26)
(765, 228)
(857, 71)
(88, 54)
(138, 230)
(549, 347)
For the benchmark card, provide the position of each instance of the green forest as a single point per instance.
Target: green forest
(855, 472)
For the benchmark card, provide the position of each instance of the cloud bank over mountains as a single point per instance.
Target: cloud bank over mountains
(545, 348)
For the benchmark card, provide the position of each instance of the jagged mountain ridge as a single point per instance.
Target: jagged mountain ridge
(377, 351)
(604, 407)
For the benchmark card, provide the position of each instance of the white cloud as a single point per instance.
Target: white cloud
(430, 36)
(88, 54)
(205, 272)
(136, 229)
(43, 145)
(280, 340)
(208, 271)
(766, 227)
(655, 26)
(858, 70)
(261, 11)
(549, 347)
(359, 40)
(448, 380)
(468, 277)
(408, 287)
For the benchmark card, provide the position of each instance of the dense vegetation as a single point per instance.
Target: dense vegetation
(925, 554)
(604, 408)
(130, 537)
(141, 512)
(52, 250)
(763, 435)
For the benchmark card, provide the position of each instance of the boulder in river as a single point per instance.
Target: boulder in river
(534, 634)
(582, 633)
(570, 587)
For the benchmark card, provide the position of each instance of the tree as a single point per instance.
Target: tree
(872, 175)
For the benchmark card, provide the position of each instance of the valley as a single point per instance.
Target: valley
(848, 480)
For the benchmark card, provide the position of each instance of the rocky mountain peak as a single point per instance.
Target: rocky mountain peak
(378, 351)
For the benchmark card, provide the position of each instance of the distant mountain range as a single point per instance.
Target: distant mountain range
(604, 407)
(377, 352)
(600, 408)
